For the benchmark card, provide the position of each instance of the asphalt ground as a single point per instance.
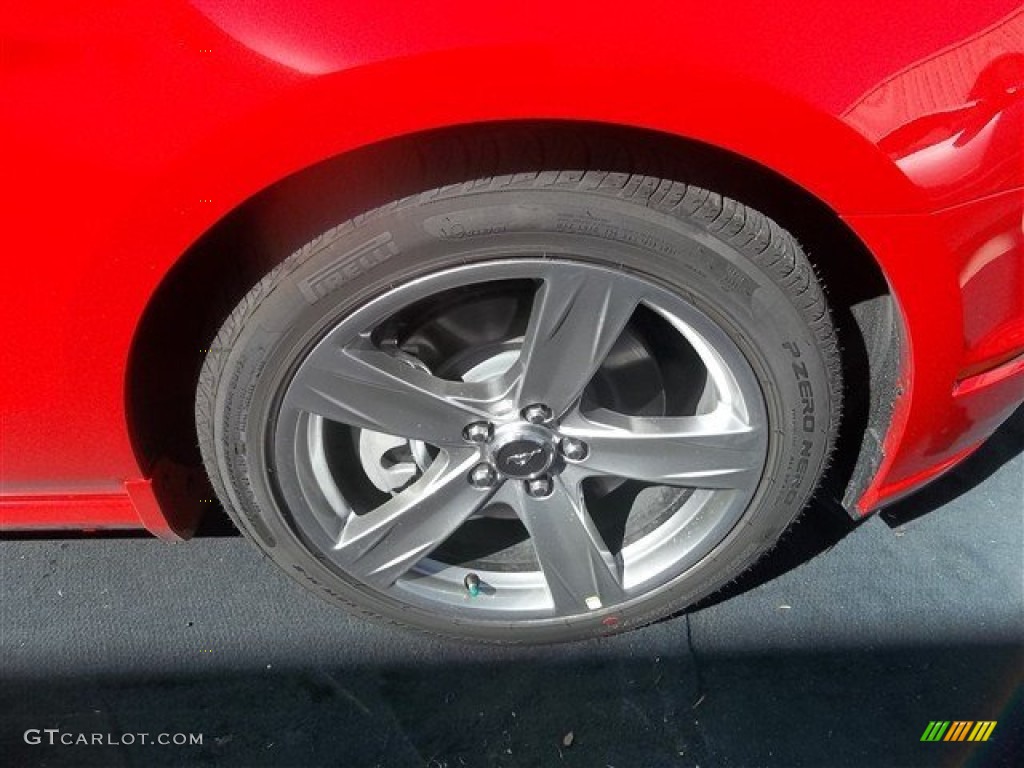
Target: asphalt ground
(838, 651)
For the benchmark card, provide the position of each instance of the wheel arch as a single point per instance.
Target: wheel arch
(204, 284)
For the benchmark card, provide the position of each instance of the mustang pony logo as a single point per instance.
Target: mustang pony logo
(523, 458)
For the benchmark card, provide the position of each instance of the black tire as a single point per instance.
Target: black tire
(733, 263)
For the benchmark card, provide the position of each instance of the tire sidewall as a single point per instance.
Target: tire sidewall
(342, 270)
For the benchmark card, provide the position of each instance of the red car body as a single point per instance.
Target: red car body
(131, 129)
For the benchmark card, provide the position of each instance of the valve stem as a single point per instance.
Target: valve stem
(472, 582)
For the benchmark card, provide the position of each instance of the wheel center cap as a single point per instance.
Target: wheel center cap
(523, 451)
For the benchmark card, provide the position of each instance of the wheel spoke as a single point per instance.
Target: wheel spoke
(365, 387)
(580, 572)
(380, 546)
(577, 316)
(716, 451)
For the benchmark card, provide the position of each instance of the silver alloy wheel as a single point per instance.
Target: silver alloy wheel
(526, 437)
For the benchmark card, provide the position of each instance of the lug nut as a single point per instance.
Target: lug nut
(573, 449)
(537, 414)
(483, 476)
(478, 432)
(539, 487)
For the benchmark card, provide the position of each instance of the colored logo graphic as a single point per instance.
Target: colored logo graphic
(958, 730)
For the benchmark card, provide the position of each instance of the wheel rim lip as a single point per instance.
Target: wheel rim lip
(436, 584)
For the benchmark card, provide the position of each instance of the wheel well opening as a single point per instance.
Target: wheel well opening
(210, 278)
